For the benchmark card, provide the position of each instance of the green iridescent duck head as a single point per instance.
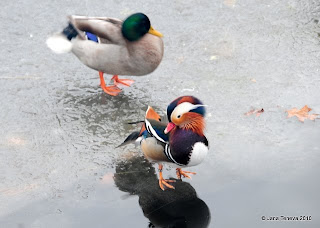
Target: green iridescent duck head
(136, 26)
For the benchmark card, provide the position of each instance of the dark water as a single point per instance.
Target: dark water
(58, 163)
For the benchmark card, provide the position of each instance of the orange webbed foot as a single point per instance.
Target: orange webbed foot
(181, 173)
(112, 90)
(117, 81)
(163, 182)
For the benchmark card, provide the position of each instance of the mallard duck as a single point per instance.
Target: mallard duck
(180, 143)
(112, 46)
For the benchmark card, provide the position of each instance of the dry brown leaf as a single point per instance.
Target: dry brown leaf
(16, 141)
(302, 114)
(107, 178)
(180, 59)
(255, 111)
(17, 191)
(230, 3)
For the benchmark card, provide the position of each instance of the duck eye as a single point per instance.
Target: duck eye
(178, 116)
(160, 119)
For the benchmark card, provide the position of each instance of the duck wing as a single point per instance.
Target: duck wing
(151, 127)
(156, 129)
(106, 28)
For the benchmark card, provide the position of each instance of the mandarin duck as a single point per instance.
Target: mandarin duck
(112, 46)
(180, 143)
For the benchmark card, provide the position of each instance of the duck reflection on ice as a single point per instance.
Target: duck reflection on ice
(171, 208)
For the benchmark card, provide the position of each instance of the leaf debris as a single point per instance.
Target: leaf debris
(255, 111)
(302, 114)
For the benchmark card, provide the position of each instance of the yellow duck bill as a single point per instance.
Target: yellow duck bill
(155, 32)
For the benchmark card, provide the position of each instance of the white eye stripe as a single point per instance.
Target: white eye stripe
(184, 108)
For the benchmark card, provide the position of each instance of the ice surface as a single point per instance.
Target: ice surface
(59, 130)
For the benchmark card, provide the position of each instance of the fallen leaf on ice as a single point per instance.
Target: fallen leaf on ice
(230, 3)
(18, 191)
(302, 114)
(16, 141)
(255, 111)
(107, 178)
(180, 59)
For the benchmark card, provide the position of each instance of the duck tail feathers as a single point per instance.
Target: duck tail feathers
(61, 42)
(70, 32)
(132, 138)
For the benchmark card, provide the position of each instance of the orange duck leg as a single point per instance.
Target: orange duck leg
(112, 90)
(117, 81)
(163, 181)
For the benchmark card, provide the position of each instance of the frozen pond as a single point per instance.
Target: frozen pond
(58, 163)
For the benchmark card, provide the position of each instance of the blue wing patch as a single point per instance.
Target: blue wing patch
(91, 36)
(145, 134)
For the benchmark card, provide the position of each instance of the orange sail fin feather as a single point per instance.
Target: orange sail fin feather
(150, 114)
